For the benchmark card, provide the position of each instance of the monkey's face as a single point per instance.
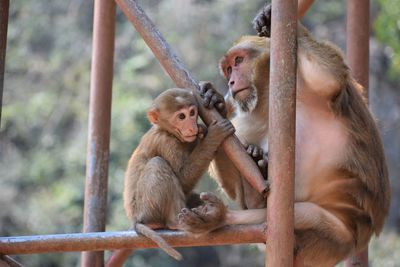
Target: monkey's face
(184, 124)
(237, 66)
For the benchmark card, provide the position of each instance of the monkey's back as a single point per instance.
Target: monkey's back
(149, 175)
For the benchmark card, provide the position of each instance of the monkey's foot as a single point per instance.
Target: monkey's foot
(204, 218)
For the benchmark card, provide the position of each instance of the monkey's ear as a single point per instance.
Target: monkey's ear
(153, 115)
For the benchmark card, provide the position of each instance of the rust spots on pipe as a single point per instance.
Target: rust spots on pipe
(238, 234)
(170, 62)
(282, 106)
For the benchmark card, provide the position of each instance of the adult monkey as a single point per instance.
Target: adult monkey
(342, 191)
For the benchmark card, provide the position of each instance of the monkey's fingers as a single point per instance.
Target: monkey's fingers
(211, 98)
(207, 98)
(255, 152)
(258, 152)
(262, 21)
(216, 101)
(204, 87)
(262, 163)
(221, 107)
(227, 126)
(202, 131)
(263, 166)
(249, 149)
(259, 22)
(212, 123)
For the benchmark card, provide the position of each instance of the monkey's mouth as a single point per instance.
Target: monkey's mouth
(189, 138)
(234, 93)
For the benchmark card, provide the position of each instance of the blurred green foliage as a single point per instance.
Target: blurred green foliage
(45, 109)
(387, 28)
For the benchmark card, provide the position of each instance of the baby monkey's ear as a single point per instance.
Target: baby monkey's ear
(153, 115)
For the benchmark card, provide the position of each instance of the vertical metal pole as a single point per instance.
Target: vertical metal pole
(282, 109)
(358, 31)
(4, 9)
(99, 125)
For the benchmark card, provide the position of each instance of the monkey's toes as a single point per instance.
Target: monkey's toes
(209, 197)
(189, 218)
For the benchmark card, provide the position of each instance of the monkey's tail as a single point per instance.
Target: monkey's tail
(150, 233)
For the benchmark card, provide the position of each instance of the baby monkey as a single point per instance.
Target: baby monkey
(167, 164)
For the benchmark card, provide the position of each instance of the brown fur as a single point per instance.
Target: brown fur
(342, 190)
(163, 169)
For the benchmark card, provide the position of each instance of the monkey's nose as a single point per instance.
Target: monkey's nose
(195, 131)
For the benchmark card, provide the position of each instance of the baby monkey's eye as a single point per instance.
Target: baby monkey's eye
(238, 60)
(192, 112)
(181, 116)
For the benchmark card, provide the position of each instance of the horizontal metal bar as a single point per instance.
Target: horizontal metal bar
(237, 234)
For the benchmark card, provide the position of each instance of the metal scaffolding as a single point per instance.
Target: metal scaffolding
(95, 208)
(282, 140)
(357, 30)
(4, 10)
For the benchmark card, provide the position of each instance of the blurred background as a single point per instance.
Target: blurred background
(45, 110)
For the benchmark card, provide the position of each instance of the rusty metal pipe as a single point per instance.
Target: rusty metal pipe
(238, 234)
(99, 125)
(151, 35)
(282, 111)
(4, 10)
(358, 31)
(9, 262)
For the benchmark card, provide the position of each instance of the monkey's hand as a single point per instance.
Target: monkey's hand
(262, 21)
(260, 158)
(219, 130)
(211, 98)
(202, 131)
(204, 218)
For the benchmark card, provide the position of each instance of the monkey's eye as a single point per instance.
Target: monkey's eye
(181, 116)
(238, 60)
(192, 113)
